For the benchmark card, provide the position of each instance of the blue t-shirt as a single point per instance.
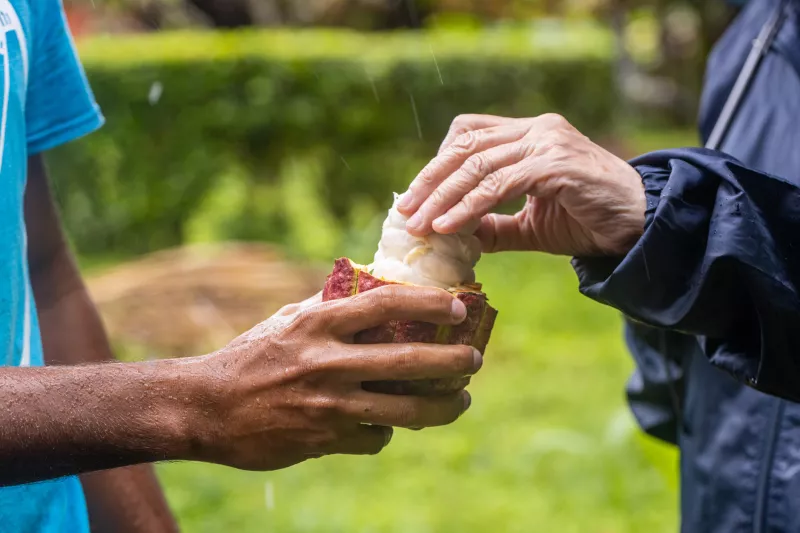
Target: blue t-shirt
(45, 102)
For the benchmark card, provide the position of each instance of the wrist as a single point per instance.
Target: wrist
(185, 392)
(198, 409)
(638, 217)
(630, 220)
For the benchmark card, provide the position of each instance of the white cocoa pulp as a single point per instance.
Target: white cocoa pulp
(435, 260)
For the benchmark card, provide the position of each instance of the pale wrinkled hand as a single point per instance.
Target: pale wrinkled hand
(581, 199)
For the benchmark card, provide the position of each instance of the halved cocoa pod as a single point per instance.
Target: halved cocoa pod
(349, 278)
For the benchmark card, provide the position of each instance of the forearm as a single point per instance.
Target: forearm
(69, 420)
(72, 331)
(120, 500)
(127, 500)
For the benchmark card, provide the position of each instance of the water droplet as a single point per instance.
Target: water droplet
(156, 89)
(269, 495)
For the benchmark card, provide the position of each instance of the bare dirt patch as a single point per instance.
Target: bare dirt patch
(192, 300)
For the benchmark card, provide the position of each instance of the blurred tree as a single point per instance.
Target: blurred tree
(226, 13)
(685, 32)
(360, 14)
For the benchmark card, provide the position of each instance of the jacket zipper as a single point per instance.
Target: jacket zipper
(767, 458)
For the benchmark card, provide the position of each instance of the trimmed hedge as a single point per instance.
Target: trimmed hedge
(294, 137)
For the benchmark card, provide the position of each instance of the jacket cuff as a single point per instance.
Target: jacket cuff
(595, 270)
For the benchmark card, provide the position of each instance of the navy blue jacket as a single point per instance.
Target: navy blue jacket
(711, 294)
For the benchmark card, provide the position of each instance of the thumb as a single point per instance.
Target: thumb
(501, 233)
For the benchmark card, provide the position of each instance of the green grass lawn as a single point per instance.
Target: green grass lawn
(547, 446)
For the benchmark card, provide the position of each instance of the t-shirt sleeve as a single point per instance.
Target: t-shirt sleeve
(60, 106)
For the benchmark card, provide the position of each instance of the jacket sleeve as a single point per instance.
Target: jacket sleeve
(719, 259)
(655, 390)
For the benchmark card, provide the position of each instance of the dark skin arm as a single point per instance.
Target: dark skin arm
(288, 390)
(124, 500)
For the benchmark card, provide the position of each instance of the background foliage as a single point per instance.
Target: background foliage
(229, 136)
(299, 138)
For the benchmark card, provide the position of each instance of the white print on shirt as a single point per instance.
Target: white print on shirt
(10, 23)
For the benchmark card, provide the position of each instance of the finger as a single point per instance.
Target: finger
(453, 158)
(407, 411)
(364, 439)
(500, 233)
(474, 170)
(464, 123)
(379, 306)
(505, 184)
(405, 361)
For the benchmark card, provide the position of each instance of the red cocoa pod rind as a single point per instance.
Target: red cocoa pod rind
(348, 279)
(341, 283)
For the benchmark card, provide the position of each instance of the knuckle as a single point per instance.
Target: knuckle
(491, 187)
(309, 366)
(408, 413)
(437, 300)
(524, 150)
(465, 142)
(463, 360)
(387, 299)
(367, 299)
(554, 120)
(307, 318)
(437, 196)
(461, 124)
(408, 358)
(425, 177)
(462, 181)
(467, 204)
(289, 309)
(477, 165)
(553, 143)
(494, 182)
(322, 407)
(380, 302)
(460, 121)
(319, 362)
(442, 301)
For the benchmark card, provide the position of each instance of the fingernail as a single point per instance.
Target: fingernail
(477, 359)
(414, 222)
(405, 200)
(467, 400)
(387, 436)
(458, 310)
